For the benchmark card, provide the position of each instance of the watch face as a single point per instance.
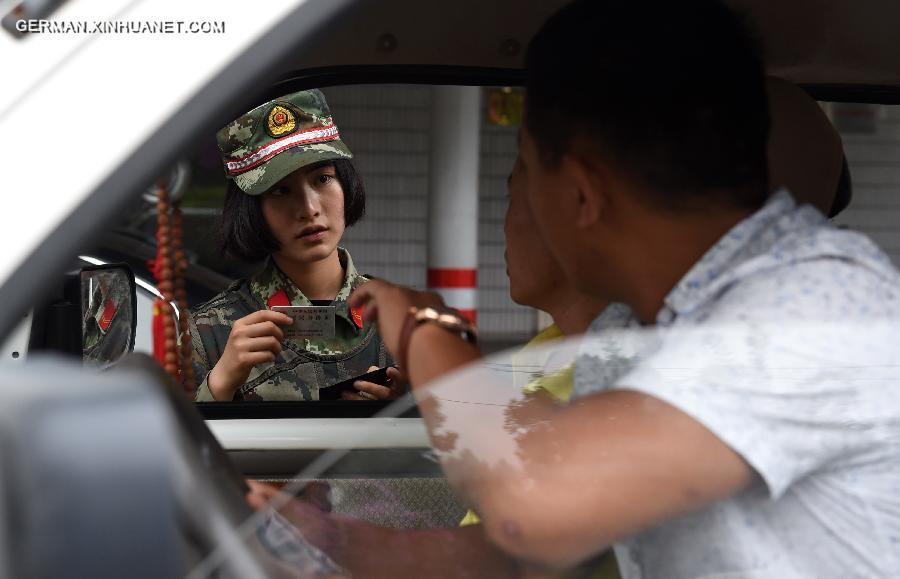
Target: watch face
(445, 319)
(451, 321)
(426, 314)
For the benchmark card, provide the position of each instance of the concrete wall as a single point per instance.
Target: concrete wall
(387, 128)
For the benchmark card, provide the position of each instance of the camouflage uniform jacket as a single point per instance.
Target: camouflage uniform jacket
(303, 366)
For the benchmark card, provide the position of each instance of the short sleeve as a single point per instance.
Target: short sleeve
(783, 374)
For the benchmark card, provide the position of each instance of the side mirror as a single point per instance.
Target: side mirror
(108, 313)
(93, 316)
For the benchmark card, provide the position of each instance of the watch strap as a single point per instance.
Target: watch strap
(449, 320)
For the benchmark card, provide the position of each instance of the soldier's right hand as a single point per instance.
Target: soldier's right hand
(254, 339)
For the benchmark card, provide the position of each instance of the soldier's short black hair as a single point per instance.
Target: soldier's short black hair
(670, 93)
(244, 233)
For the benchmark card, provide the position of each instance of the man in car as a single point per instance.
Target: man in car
(643, 158)
(804, 153)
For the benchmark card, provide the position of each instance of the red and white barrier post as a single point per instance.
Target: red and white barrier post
(453, 202)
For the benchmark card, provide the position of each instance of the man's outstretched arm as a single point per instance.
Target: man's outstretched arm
(569, 480)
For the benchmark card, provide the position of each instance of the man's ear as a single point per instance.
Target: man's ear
(589, 187)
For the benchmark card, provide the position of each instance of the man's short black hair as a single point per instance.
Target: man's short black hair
(243, 232)
(669, 92)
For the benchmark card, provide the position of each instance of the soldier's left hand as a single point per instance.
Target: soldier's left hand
(372, 391)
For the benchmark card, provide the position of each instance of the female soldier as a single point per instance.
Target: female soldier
(291, 193)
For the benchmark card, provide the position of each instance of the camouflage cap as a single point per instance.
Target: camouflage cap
(275, 139)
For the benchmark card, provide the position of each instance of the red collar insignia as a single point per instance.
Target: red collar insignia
(357, 315)
(109, 312)
(279, 298)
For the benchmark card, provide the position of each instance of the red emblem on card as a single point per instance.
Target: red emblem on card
(357, 315)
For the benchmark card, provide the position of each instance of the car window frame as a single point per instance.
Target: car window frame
(431, 75)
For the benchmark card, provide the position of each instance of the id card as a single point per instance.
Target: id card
(309, 321)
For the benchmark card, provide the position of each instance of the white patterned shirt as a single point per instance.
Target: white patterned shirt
(783, 341)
